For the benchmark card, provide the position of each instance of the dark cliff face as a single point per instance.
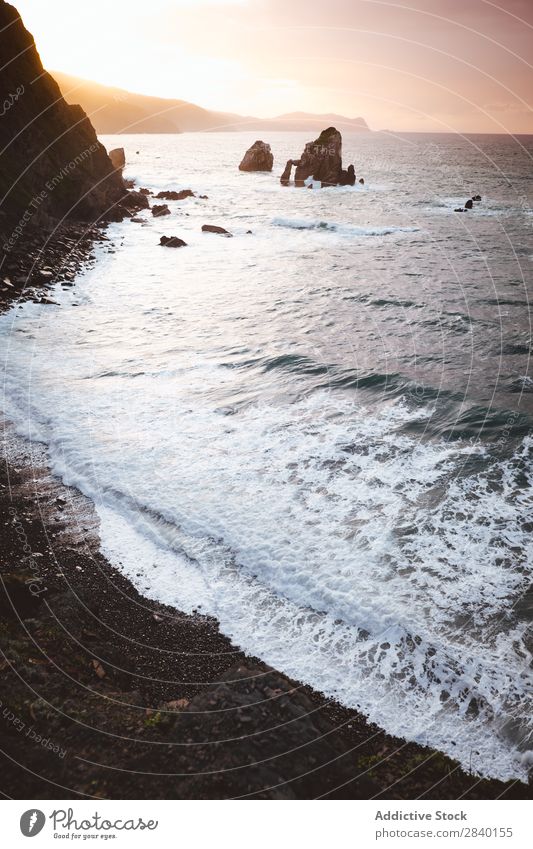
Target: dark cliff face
(51, 163)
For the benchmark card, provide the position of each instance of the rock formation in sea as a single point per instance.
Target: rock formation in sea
(171, 195)
(172, 242)
(287, 171)
(52, 165)
(118, 158)
(322, 162)
(213, 228)
(258, 157)
(348, 177)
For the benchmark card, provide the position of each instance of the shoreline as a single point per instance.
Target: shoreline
(107, 694)
(42, 259)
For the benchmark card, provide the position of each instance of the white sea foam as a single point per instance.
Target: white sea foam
(380, 569)
(342, 229)
(339, 551)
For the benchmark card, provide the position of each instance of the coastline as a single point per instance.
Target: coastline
(109, 695)
(41, 259)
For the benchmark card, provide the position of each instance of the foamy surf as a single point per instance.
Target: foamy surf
(262, 423)
(322, 541)
(341, 229)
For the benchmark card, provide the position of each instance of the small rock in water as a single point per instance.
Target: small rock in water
(159, 211)
(476, 198)
(348, 177)
(172, 242)
(469, 204)
(212, 228)
(181, 195)
(361, 180)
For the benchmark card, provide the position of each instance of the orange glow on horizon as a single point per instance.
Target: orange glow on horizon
(432, 65)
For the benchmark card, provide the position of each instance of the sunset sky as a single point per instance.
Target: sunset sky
(429, 65)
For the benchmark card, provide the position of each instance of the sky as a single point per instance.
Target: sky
(421, 65)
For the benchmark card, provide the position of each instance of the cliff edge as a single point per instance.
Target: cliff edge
(52, 165)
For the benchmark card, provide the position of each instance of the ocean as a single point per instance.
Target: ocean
(319, 432)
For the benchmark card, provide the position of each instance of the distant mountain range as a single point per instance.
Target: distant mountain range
(296, 121)
(113, 110)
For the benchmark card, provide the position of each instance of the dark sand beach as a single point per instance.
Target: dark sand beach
(108, 695)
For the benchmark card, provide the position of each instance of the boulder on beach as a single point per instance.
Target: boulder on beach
(212, 228)
(172, 242)
(159, 211)
(118, 158)
(320, 162)
(258, 157)
(182, 195)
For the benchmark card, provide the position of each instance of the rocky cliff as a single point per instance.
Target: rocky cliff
(52, 165)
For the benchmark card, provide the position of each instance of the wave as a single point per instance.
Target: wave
(522, 384)
(518, 348)
(327, 541)
(342, 229)
(478, 422)
(504, 302)
(391, 302)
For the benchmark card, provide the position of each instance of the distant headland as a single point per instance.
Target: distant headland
(114, 110)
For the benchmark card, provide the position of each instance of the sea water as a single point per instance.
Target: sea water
(319, 432)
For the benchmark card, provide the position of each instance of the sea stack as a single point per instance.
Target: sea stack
(321, 161)
(258, 157)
